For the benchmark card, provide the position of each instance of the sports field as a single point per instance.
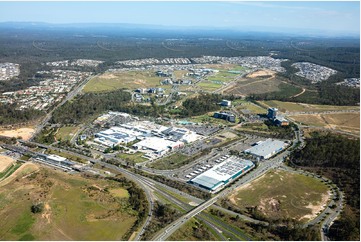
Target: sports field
(118, 80)
(303, 107)
(74, 208)
(281, 194)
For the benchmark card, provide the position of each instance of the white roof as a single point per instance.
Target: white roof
(56, 158)
(222, 172)
(156, 144)
(266, 147)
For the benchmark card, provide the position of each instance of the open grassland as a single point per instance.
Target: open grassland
(66, 155)
(128, 80)
(136, 157)
(5, 162)
(281, 194)
(303, 107)
(193, 230)
(180, 74)
(172, 161)
(74, 208)
(349, 122)
(251, 107)
(223, 76)
(209, 86)
(24, 133)
(247, 86)
(66, 133)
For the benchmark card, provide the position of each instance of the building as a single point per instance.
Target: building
(226, 116)
(158, 145)
(221, 174)
(226, 103)
(266, 149)
(272, 113)
(281, 121)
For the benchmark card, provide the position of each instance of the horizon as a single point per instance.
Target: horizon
(321, 18)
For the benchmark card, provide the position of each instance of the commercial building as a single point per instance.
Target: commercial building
(221, 174)
(266, 149)
(226, 116)
(272, 113)
(158, 145)
(226, 103)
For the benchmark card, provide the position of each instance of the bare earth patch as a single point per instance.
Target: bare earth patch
(261, 73)
(24, 133)
(316, 208)
(5, 162)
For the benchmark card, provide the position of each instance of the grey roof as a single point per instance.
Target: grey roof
(266, 147)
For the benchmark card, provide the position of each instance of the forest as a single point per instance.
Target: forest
(201, 104)
(338, 158)
(10, 115)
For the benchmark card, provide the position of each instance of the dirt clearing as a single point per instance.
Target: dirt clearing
(24, 133)
(5, 162)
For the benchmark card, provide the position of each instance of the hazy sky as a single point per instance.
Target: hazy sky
(328, 16)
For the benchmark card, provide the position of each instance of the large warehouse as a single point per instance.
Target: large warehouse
(266, 149)
(217, 177)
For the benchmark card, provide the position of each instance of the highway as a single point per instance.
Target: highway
(149, 186)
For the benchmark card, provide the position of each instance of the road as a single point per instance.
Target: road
(69, 96)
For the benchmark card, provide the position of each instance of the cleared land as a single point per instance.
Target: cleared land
(304, 107)
(257, 85)
(349, 122)
(262, 73)
(66, 133)
(24, 133)
(5, 162)
(75, 208)
(128, 80)
(281, 194)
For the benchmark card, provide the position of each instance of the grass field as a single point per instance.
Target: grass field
(119, 192)
(281, 194)
(66, 133)
(303, 107)
(173, 161)
(349, 122)
(66, 155)
(248, 86)
(128, 80)
(223, 76)
(253, 108)
(75, 208)
(136, 157)
(5, 162)
(209, 85)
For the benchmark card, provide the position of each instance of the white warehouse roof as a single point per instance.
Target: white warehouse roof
(222, 173)
(267, 148)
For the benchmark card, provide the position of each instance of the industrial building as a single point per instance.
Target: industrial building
(226, 116)
(221, 174)
(266, 149)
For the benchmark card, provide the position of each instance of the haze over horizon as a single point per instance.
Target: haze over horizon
(322, 18)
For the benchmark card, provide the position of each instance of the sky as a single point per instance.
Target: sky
(332, 17)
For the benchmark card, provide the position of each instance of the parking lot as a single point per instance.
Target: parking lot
(215, 157)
